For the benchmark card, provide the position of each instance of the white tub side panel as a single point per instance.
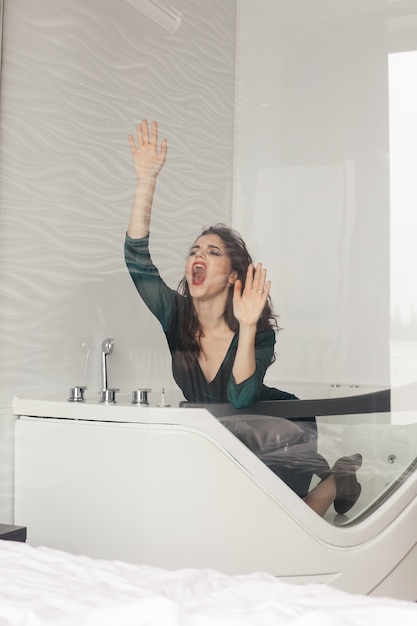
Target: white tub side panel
(145, 494)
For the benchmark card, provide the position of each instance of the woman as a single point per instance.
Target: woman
(219, 325)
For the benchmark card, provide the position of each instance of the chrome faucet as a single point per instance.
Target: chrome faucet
(107, 396)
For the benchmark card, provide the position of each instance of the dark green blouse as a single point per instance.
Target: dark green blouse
(167, 305)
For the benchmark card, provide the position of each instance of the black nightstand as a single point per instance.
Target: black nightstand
(13, 533)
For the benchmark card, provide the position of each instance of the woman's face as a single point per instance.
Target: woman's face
(209, 269)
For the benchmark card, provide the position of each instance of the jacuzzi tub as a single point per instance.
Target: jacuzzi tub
(174, 488)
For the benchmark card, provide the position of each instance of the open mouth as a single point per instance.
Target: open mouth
(199, 274)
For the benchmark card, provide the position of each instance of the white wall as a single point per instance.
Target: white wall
(76, 78)
(312, 140)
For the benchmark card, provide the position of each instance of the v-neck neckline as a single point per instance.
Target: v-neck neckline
(210, 382)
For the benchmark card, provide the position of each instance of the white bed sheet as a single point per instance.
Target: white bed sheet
(40, 586)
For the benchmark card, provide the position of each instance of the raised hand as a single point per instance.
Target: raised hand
(249, 303)
(147, 159)
(148, 162)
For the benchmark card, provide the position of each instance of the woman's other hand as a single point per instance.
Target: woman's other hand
(249, 304)
(147, 159)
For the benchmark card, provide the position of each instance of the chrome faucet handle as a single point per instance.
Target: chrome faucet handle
(76, 394)
(140, 397)
(108, 396)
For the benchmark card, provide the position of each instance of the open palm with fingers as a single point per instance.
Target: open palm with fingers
(147, 158)
(249, 303)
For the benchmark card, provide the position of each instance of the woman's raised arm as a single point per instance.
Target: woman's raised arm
(148, 162)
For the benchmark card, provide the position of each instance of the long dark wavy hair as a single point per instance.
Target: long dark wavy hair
(190, 328)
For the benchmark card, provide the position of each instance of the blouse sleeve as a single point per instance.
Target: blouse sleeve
(158, 297)
(248, 391)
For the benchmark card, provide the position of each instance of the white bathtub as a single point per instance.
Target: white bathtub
(173, 488)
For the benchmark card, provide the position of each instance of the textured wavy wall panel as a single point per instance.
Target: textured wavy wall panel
(77, 76)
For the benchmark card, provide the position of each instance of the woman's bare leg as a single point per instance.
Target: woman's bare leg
(322, 496)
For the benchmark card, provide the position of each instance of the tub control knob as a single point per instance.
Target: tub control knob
(108, 396)
(163, 404)
(76, 394)
(140, 397)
